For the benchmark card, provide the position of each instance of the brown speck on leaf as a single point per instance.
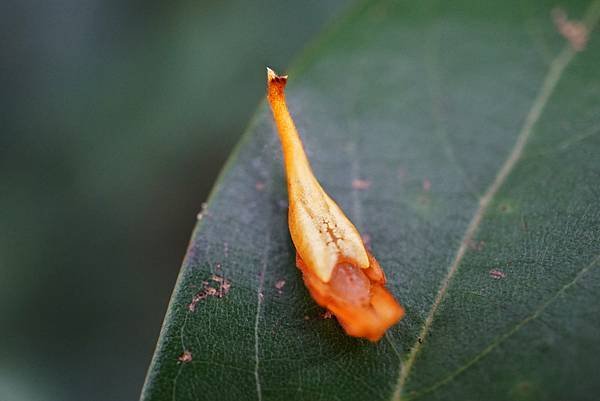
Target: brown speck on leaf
(223, 286)
(327, 315)
(357, 183)
(426, 185)
(195, 299)
(260, 186)
(306, 317)
(574, 31)
(497, 274)
(185, 357)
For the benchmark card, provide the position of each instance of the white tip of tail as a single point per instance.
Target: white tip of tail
(272, 76)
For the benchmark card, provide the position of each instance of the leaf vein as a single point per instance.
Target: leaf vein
(555, 71)
(508, 334)
(259, 301)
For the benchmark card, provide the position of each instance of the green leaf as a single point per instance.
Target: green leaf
(477, 127)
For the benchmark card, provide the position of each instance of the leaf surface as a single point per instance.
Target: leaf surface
(474, 132)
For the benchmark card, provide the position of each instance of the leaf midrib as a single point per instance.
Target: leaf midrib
(555, 72)
(499, 340)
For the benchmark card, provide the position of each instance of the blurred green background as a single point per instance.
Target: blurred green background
(116, 118)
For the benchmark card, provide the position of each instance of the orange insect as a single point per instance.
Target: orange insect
(340, 273)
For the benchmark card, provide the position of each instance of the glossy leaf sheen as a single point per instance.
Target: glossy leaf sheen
(428, 103)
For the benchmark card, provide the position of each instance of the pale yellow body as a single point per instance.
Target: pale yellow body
(322, 234)
(339, 272)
